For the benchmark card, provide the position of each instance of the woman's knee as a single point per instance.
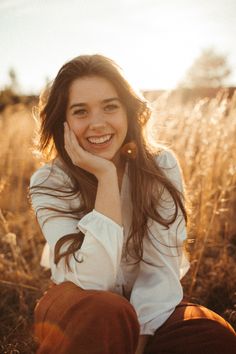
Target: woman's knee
(193, 329)
(66, 314)
(109, 305)
(69, 302)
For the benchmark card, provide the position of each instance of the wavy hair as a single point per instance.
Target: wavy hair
(144, 173)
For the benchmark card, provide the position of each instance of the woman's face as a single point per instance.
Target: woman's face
(97, 116)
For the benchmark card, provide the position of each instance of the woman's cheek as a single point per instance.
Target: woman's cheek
(79, 135)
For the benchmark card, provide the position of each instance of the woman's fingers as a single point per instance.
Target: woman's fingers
(68, 143)
(74, 150)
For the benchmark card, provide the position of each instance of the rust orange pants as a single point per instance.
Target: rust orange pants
(70, 320)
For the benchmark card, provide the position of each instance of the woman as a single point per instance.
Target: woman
(112, 212)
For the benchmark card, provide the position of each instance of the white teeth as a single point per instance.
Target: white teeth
(99, 140)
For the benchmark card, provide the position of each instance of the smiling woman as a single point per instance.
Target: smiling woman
(112, 212)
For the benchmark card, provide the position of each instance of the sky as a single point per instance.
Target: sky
(154, 41)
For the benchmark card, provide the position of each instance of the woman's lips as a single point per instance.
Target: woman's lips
(100, 142)
(99, 139)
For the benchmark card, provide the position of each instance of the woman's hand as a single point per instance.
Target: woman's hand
(96, 165)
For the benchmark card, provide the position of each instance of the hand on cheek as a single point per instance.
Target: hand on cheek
(82, 158)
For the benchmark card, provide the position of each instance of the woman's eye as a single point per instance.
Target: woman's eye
(80, 112)
(111, 107)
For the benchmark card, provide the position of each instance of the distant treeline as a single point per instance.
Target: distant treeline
(7, 97)
(183, 95)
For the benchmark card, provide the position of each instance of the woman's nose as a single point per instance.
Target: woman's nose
(97, 121)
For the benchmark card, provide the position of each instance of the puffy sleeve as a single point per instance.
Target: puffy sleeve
(157, 289)
(100, 253)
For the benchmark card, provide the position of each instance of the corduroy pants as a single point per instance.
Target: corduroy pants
(71, 320)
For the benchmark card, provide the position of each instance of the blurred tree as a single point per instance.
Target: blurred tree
(10, 94)
(210, 69)
(13, 85)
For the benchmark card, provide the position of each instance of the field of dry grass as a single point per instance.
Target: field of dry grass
(203, 136)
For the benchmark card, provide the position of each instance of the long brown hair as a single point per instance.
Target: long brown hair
(144, 173)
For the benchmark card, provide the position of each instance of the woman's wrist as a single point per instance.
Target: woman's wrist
(106, 174)
(108, 196)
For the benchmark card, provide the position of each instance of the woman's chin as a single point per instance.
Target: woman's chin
(103, 154)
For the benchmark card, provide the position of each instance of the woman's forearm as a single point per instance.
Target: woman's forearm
(108, 200)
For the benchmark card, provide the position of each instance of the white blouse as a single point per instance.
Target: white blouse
(153, 290)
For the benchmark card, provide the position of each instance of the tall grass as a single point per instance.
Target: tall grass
(202, 133)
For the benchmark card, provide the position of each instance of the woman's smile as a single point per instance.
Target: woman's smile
(100, 140)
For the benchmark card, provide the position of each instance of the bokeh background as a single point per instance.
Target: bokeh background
(181, 55)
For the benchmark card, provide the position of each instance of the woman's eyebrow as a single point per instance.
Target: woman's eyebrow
(106, 100)
(77, 105)
(111, 99)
